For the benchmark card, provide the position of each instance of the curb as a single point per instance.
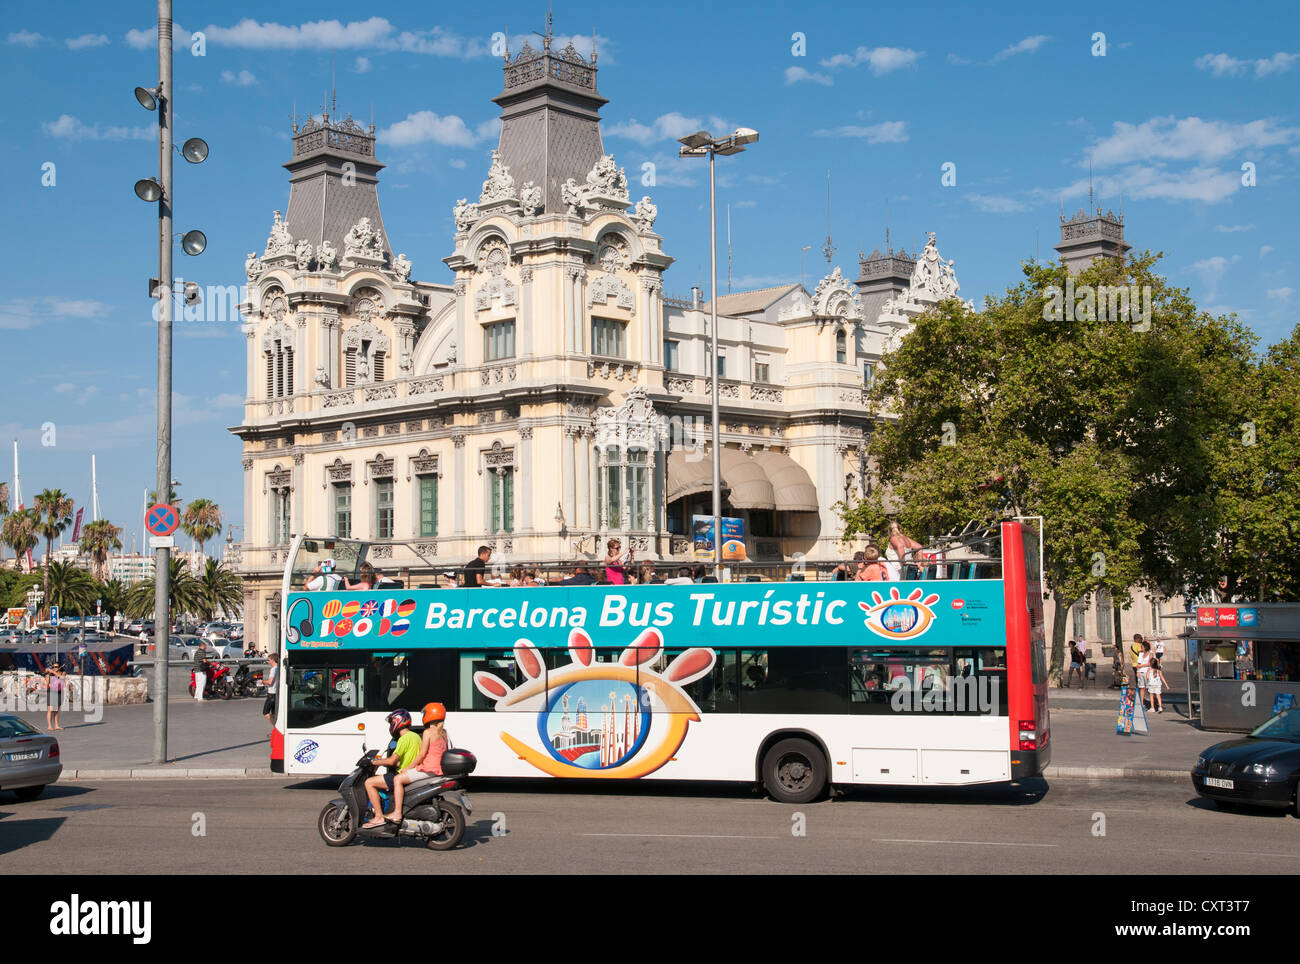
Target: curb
(1117, 773)
(171, 773)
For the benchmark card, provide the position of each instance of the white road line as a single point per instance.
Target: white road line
(971, 843)
(1231, 853)
(718, 836)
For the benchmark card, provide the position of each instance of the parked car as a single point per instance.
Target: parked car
(29, 759)
(1262, 769)
(182, 647)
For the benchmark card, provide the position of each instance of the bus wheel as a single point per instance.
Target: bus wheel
(794, 771)
(335, 826)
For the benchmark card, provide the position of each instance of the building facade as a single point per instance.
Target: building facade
(551, 397)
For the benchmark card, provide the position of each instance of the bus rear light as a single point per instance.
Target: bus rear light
(361, 726)
(1028, 735)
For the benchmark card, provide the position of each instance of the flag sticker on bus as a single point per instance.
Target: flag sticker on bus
(594, 718)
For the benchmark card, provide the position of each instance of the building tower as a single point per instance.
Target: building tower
(1087, 237)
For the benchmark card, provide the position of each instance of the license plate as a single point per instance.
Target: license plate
(1218, 782)
(32, 755)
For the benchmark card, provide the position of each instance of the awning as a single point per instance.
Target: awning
(792, 489)
(749, 484)
(688, 476)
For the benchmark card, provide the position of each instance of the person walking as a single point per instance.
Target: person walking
(1076, 665)
(272, 678)
(1156, 684)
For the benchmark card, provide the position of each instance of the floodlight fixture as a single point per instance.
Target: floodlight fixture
(148, 189)
(194, 242)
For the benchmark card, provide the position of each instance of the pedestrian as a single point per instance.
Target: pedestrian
(272, 678)
(1142, 671)
(1117, 668)
(1160, 648)
(54, 695)
(200, 670)
(474, 571)
(1076, 665)
(144, 642)
(1156, 684)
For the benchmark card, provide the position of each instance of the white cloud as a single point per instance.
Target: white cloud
(315, 35)
(1233, 228)
(362, 65)
(794, 75)
(881, 60)
(1154, 181)
(226, 400)
(24, 38)
(997, 204)
(1211, 271)
(147, 39)
(458, 163)
(665, 127)
(1281, 294)
(745, 204)
(1026, 46)
(1265, 250)
(242, 79)
(23, 313)
(1223, 65)
(424, 126)
(1189, 138)
(70, 128)
(86, 40)
(889, 132)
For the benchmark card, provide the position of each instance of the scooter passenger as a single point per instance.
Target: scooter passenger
(428, 763)
(404, 754)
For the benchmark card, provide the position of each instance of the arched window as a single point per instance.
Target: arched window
(841, 347)
(278, 345)
(625, 489)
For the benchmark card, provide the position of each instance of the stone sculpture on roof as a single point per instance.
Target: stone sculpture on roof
(530, 198)
(326, 256)
(302, 254)
(499, 186)
(363, 241)
(279, 242)
(402, 268)
(464, 214)
(253, 267)
(646, 212)
(606, 186)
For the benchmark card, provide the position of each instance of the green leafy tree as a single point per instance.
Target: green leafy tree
(70, 588)
(98, 539)
(14, 587)
(19, 533)
(220, 591)
(201, 520)
(54, 508)
(113, 596)
(182, 593)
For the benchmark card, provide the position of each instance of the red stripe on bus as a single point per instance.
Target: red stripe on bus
(1020, 681)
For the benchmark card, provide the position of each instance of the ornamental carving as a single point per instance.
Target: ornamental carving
(499, 186)
(253, 267)
(322, 377)
(402, 268)
(497, 287)
(415, 425)
(498, 456)
(761, 394)
(362, 241)
(381, 393)
(458, 439)
(426, 548)
(616, 371)
(370, 431)
(634, 424)
(302, 254)
(337, 399)
(279, 479)
(367, 304)
(340, 471)
(326, 256)
(274, 304)
(279, 243)
(530, 198)
(836, 298)
(645, 215)
(680, 386)
(380, 468)
(608, 286)
(381, 552)
(933, 280)
(425, 386)
(605, 188)
(464, 214)
(424, 463)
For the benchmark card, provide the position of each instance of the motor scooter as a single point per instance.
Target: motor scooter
(433, 809)
(218, 683)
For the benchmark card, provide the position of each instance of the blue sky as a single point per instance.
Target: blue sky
(882, 97)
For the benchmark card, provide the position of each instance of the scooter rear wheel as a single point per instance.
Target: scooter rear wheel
(335, 826)
(453, 828)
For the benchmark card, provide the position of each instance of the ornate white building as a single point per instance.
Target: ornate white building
(550, 397)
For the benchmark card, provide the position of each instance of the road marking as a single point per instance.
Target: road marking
(717, 836)
(970, 843)
(1231, 853)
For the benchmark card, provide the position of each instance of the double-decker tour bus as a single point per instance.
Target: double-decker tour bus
(799, 686)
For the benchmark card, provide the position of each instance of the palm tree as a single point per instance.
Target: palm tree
(219, 590)
(55, 510)
(4, 511)
(202, 521)
(69, 587)
(19, 532)
(112, 595)
(183, 594)
(98, 539)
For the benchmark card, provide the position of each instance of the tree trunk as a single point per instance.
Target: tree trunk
(1119, 627)
(1058, 638)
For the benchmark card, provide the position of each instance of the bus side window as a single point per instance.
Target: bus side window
(714, 692)
(499, 663)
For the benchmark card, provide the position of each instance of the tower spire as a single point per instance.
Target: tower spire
(828, 250)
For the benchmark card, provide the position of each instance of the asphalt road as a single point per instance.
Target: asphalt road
(268, 825)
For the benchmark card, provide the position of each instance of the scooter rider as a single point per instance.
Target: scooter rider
(404, 754)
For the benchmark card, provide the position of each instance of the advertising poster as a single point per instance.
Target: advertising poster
(1132, 716)
(733, 538)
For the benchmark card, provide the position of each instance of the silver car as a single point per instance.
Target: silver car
(29, 759)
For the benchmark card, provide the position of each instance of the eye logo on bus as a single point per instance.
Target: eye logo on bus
(594, 719)
(899, 617)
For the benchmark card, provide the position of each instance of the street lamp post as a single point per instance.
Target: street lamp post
(159, 190)
(699, 144)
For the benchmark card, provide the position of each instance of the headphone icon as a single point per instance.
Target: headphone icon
(293, 633)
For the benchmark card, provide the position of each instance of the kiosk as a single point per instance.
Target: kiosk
(1241, 657)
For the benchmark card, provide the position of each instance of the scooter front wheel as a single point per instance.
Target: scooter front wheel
(335, 826)
(453, 828)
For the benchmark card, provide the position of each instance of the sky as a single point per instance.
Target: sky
(976, 122)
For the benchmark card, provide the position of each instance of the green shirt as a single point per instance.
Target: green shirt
(408, 748)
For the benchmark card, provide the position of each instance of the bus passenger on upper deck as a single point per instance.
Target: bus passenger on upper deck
(902, 548)
(323, 577)
(367, 580)
(871, 569)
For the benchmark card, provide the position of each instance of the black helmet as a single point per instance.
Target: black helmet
(397, 721)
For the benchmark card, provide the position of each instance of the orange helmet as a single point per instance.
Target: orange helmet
(434, 713)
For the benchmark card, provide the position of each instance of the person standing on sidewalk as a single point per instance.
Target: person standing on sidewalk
(1142, 669)
(200, 670)
(1076, 664)
(272, 677)
(1156, 684)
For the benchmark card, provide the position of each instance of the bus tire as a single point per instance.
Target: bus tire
(335, 826)
(794, 771)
